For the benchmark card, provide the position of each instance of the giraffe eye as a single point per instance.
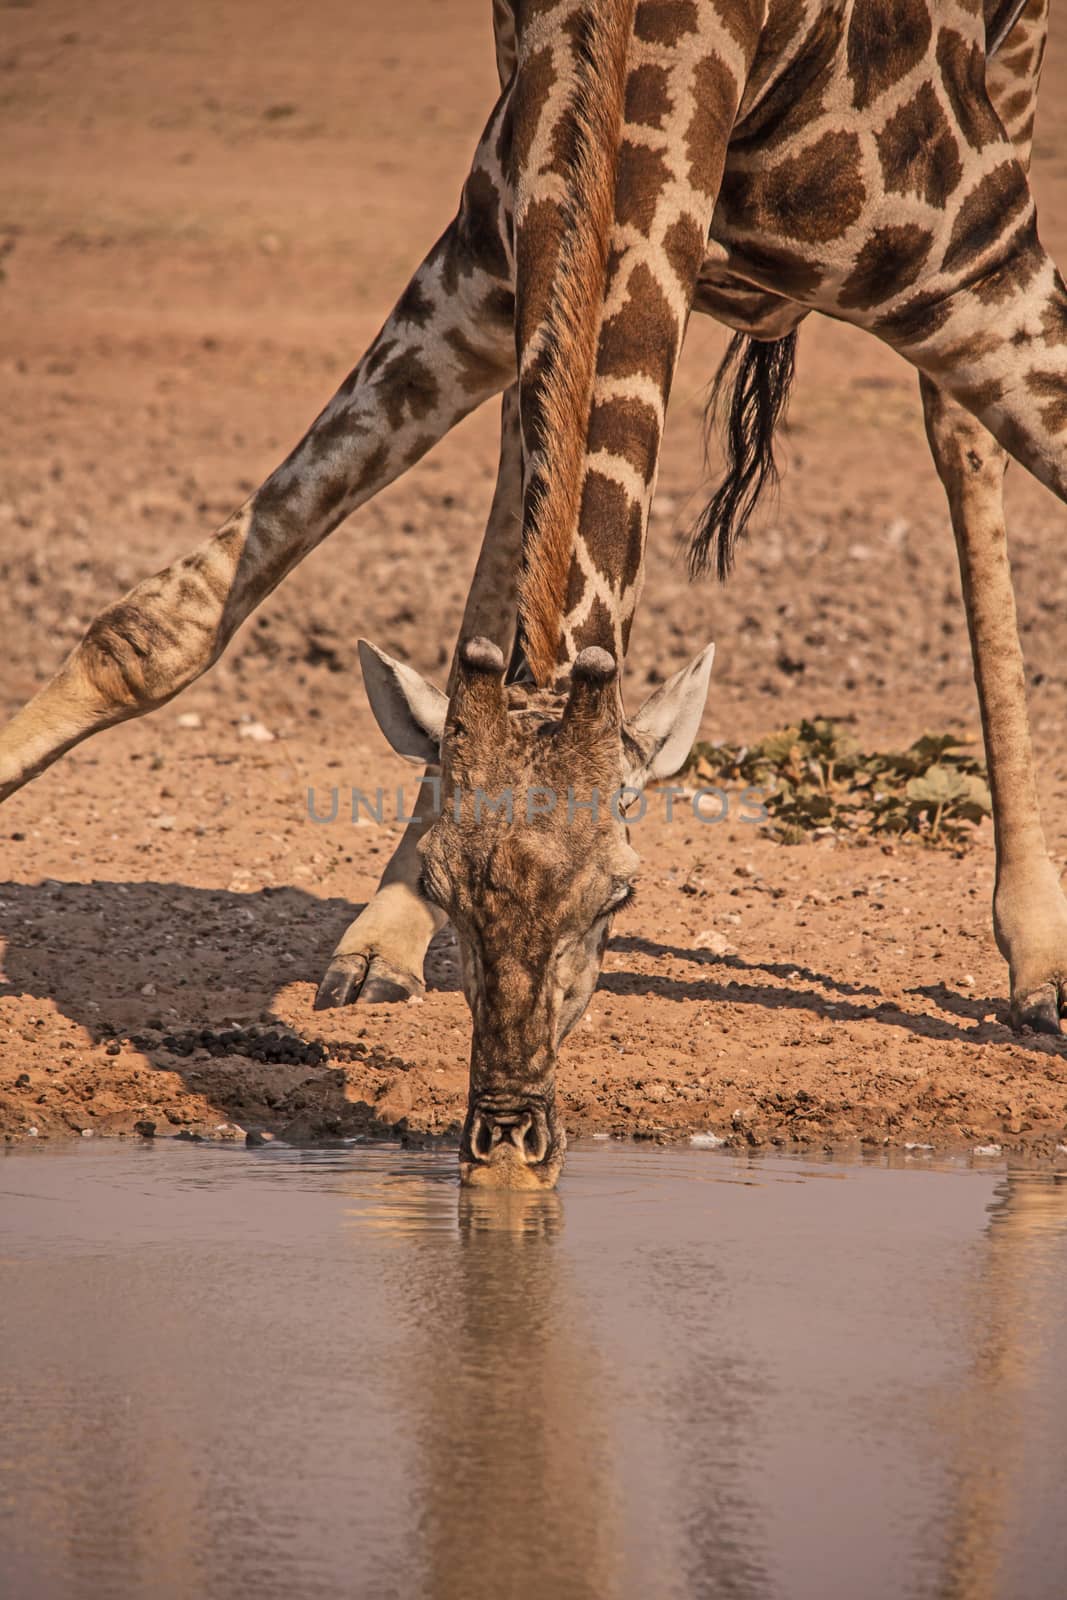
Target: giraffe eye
(626, 897)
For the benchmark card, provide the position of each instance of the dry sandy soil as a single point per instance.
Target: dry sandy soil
(206, 216)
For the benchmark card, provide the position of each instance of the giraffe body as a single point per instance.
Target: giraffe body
(754, 159)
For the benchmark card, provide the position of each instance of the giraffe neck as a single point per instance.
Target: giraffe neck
(615, 167)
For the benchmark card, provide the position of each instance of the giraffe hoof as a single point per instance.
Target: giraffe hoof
(372, 980)
(341, 982)
(1039, 1011)
(384, 984)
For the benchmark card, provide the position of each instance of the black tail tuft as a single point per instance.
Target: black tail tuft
(758, 375)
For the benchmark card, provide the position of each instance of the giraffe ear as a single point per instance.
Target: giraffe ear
(661, 735)
(409, 711)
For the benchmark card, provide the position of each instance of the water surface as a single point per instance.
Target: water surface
(330, 1373)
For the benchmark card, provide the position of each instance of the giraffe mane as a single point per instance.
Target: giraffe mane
(571, 330)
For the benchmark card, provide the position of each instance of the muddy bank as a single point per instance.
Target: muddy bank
(192, 269)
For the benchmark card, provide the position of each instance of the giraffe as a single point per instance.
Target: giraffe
(756, 159)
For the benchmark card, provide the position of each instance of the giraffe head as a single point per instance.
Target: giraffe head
(530, 857)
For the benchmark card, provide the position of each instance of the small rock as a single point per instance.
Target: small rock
(706, 1141)
(148, 989)
(256, 1137)
(87, 1133)
(256, 731)
(987, 1150)
(146, 1128)
(714, 941)
(31, 1133)
(190, 719)
(166, 822)
(228, 1131)
(968, 979)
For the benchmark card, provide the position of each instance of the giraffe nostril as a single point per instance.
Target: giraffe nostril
(535, 1139)
(484, 1135)
(495, 1127)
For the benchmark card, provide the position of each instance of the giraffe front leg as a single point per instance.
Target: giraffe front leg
(1029, 908)
(380, 955)
(447, 346)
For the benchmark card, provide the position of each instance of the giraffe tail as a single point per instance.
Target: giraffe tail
(751, 392)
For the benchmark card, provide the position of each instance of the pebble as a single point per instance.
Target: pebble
(706, 1141)
(987, 1150)
(256, 1137)
(257, 731)
(190, 719)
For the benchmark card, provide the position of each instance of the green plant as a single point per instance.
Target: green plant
(817, 779)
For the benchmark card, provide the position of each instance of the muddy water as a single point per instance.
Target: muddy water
(271, 1373)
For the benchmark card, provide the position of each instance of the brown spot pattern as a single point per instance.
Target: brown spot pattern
(628, 428)
(984, 214)
(715, 96)
(647, 98)
(665, 21)
(605, 524)
(414, 305)
(796, 94)
(918, 151)
(373, 469)
(813, 196)
(743, 20)
(784, 271)
(889, 262)
(1050, 388)
(685, 245)
(886, 38)
(479, 368)
(598, 628)
(542, 227)
(1023, 261)
(916, 321)
(576, 581)
(642, 174)
(407, 387)
(642, 335)
(478, 225)
(538, 81)
(963, 73)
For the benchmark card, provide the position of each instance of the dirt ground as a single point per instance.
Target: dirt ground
(206, 215)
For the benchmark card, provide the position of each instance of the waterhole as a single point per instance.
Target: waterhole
(687, 1374)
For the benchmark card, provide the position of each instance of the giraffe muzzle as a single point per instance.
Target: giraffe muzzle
(511, 1144)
